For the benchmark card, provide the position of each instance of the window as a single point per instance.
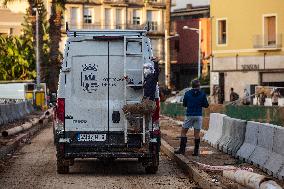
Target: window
(136, 17)
(118, 19)
(107, 18)
(156, 47)
(11, 31)
(152, 17)
(88, 15)
(270, 30)
(222, 32)
(74, 15)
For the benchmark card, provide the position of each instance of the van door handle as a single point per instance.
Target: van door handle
(66, 69)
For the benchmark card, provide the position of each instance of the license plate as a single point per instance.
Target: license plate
(91, 137)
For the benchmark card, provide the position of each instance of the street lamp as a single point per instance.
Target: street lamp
(197, 30)
(168, 62)
(37, 50)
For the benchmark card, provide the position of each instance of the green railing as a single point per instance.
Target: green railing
(274, 115)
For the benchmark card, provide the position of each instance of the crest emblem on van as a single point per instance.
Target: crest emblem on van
(89, 81)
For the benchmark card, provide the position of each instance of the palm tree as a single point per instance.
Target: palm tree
(55, 24)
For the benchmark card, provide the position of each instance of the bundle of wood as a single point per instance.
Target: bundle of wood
(145, 107)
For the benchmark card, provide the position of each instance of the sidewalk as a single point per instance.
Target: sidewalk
(170, 130)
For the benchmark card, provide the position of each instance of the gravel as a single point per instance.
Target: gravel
(34, 166)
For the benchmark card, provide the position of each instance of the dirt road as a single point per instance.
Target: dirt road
(34, 166)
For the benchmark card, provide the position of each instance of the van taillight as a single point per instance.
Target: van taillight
(156, 114)
(60, 109)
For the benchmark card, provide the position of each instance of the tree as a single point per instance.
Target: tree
(16, 59)
(17, 54)
(55, 23)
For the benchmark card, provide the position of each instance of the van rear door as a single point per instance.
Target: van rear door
(95, 86)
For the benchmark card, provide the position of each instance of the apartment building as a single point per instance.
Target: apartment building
(11, 17)
(247, 44)
(119, 14)
(186, 24)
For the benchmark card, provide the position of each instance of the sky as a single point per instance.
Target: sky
(182, 3)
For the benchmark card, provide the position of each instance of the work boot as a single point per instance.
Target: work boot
(181, 149)
(196, 147)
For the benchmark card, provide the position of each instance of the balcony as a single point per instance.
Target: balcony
(135, 2)
(155, 29)
(97, 2)
(156, 3)
(115, 2)
(263, 43)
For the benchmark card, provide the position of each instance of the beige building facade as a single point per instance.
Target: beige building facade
(119, 14)
(247, 45)
(11, 17)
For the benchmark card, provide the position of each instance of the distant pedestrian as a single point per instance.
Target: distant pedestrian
(233, 95)
(275, 96)
(194, 100)
(215, 94)
(262, 98)
(246, 98)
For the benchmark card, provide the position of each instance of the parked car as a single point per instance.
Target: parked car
(101, 72)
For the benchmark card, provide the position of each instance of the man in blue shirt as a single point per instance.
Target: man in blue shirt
(194, 100)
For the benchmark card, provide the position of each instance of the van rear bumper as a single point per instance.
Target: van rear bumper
(112, 148)
(108, 155)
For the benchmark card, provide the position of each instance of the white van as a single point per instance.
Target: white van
(101, 72)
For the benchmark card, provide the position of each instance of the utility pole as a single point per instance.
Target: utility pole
(199, 50)
(167, 45)
(37, 51)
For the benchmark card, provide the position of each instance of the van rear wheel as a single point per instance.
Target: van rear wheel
(61, 168)
(152, 168)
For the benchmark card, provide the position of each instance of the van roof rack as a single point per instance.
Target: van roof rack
(90, 32)
(77, 33)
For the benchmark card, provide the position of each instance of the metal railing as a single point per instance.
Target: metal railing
(263, 42)
(154, 27)
(138, 2)
(96, 25)
(115, 1)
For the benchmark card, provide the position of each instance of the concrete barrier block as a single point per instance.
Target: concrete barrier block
(10, 112)
(30, 106)
(236, 138)
(16, 111)
(20, 110)
(233, 135)
(214, 132)
(280, 175)
(23, 109)
(27, 108)
(226, 133)
(264, 145)
(250, 141)
(276, 159)
(1, 117)
(3, 114)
